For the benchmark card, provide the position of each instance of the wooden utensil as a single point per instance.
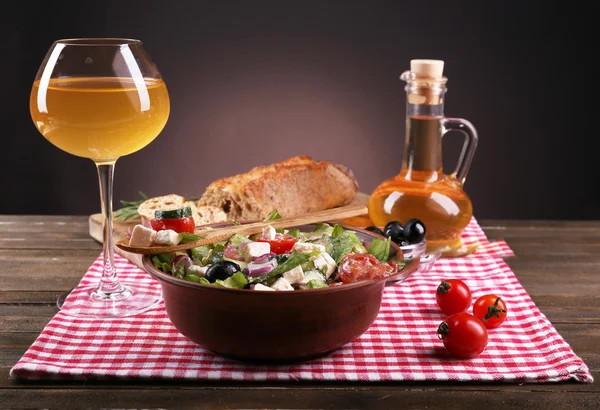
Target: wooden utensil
(221, 234)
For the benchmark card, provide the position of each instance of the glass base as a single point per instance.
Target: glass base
(88, 302)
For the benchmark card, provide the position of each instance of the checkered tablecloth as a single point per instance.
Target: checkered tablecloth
(400, 345)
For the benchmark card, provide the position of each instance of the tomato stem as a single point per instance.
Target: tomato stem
(443, 287)
(493, 311)
(442, 330)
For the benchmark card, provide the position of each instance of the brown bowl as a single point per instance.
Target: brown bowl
(275, 326)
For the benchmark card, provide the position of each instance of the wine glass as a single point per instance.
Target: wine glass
(101, 98)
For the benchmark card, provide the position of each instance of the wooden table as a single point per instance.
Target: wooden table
(42, 256)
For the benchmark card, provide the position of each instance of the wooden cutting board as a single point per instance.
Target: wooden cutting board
(120, 229)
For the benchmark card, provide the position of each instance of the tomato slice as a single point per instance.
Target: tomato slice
(282, 243)
(356, 267)
(178, 224)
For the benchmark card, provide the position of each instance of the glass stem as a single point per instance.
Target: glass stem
(109, 283)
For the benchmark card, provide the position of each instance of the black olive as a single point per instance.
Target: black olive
(393, 230)
(414, 231)
(221, 270)
(374, 229)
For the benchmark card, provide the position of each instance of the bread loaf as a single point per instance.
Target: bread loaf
(295, 186)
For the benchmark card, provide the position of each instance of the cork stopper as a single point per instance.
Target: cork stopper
(426, 83)
(427, 68)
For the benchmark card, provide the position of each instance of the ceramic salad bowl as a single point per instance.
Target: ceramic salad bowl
(278, 326)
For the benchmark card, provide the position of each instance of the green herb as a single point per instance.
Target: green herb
(241, 264)
(200, 252)
(308, 265)
(235, 222)
(236, 240)
(188, 237)
(281, 258)
(215, 257)
(237, 280)
(337, 231)
(129, 209)
(315, 284)
(294, 260)
(343, 244)
(193, 278)
(163, 261)
(272, 216)
(380, 248)
(179, 268)
(322, 229)
(294, 232)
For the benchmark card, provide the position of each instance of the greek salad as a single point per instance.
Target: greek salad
(282, 260)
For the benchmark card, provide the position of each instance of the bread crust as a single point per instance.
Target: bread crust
(294, 186)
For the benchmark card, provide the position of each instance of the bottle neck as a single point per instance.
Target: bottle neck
(423, 142)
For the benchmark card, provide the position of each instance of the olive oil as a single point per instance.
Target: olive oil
(421, 189)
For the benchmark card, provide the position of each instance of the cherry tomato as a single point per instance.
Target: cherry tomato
(356, 267)
(491, 310)
(281, 244)
(453, 296)
(463, 335)
(178, 224)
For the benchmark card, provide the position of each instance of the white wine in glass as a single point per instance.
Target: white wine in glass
(101, 98)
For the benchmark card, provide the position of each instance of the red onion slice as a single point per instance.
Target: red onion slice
(257, 269)
(263, 258)
(182, 260)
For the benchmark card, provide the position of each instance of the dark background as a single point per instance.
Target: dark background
(254, 82)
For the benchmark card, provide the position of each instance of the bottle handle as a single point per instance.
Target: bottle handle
(468, 150)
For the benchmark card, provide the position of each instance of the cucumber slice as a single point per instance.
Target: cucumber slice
(173, 213)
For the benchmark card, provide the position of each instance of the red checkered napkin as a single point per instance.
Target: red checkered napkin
(400, 345)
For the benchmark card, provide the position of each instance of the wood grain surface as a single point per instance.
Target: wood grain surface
(42, 256)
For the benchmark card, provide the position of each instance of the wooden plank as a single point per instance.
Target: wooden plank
(62, 254)
(34, 297)
(48, 275)
(42, 225)
(48, 241)
(306, 398)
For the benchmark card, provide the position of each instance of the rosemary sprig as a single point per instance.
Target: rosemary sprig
(129, 209)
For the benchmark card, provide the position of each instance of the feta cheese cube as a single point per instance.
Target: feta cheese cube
(254, 249)
(269, 233)
(281, 284)
(260, 286)
(325, 263)
(197, 270)
(294, 275)
(142, 236)
(307, 247)
(167, 237)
